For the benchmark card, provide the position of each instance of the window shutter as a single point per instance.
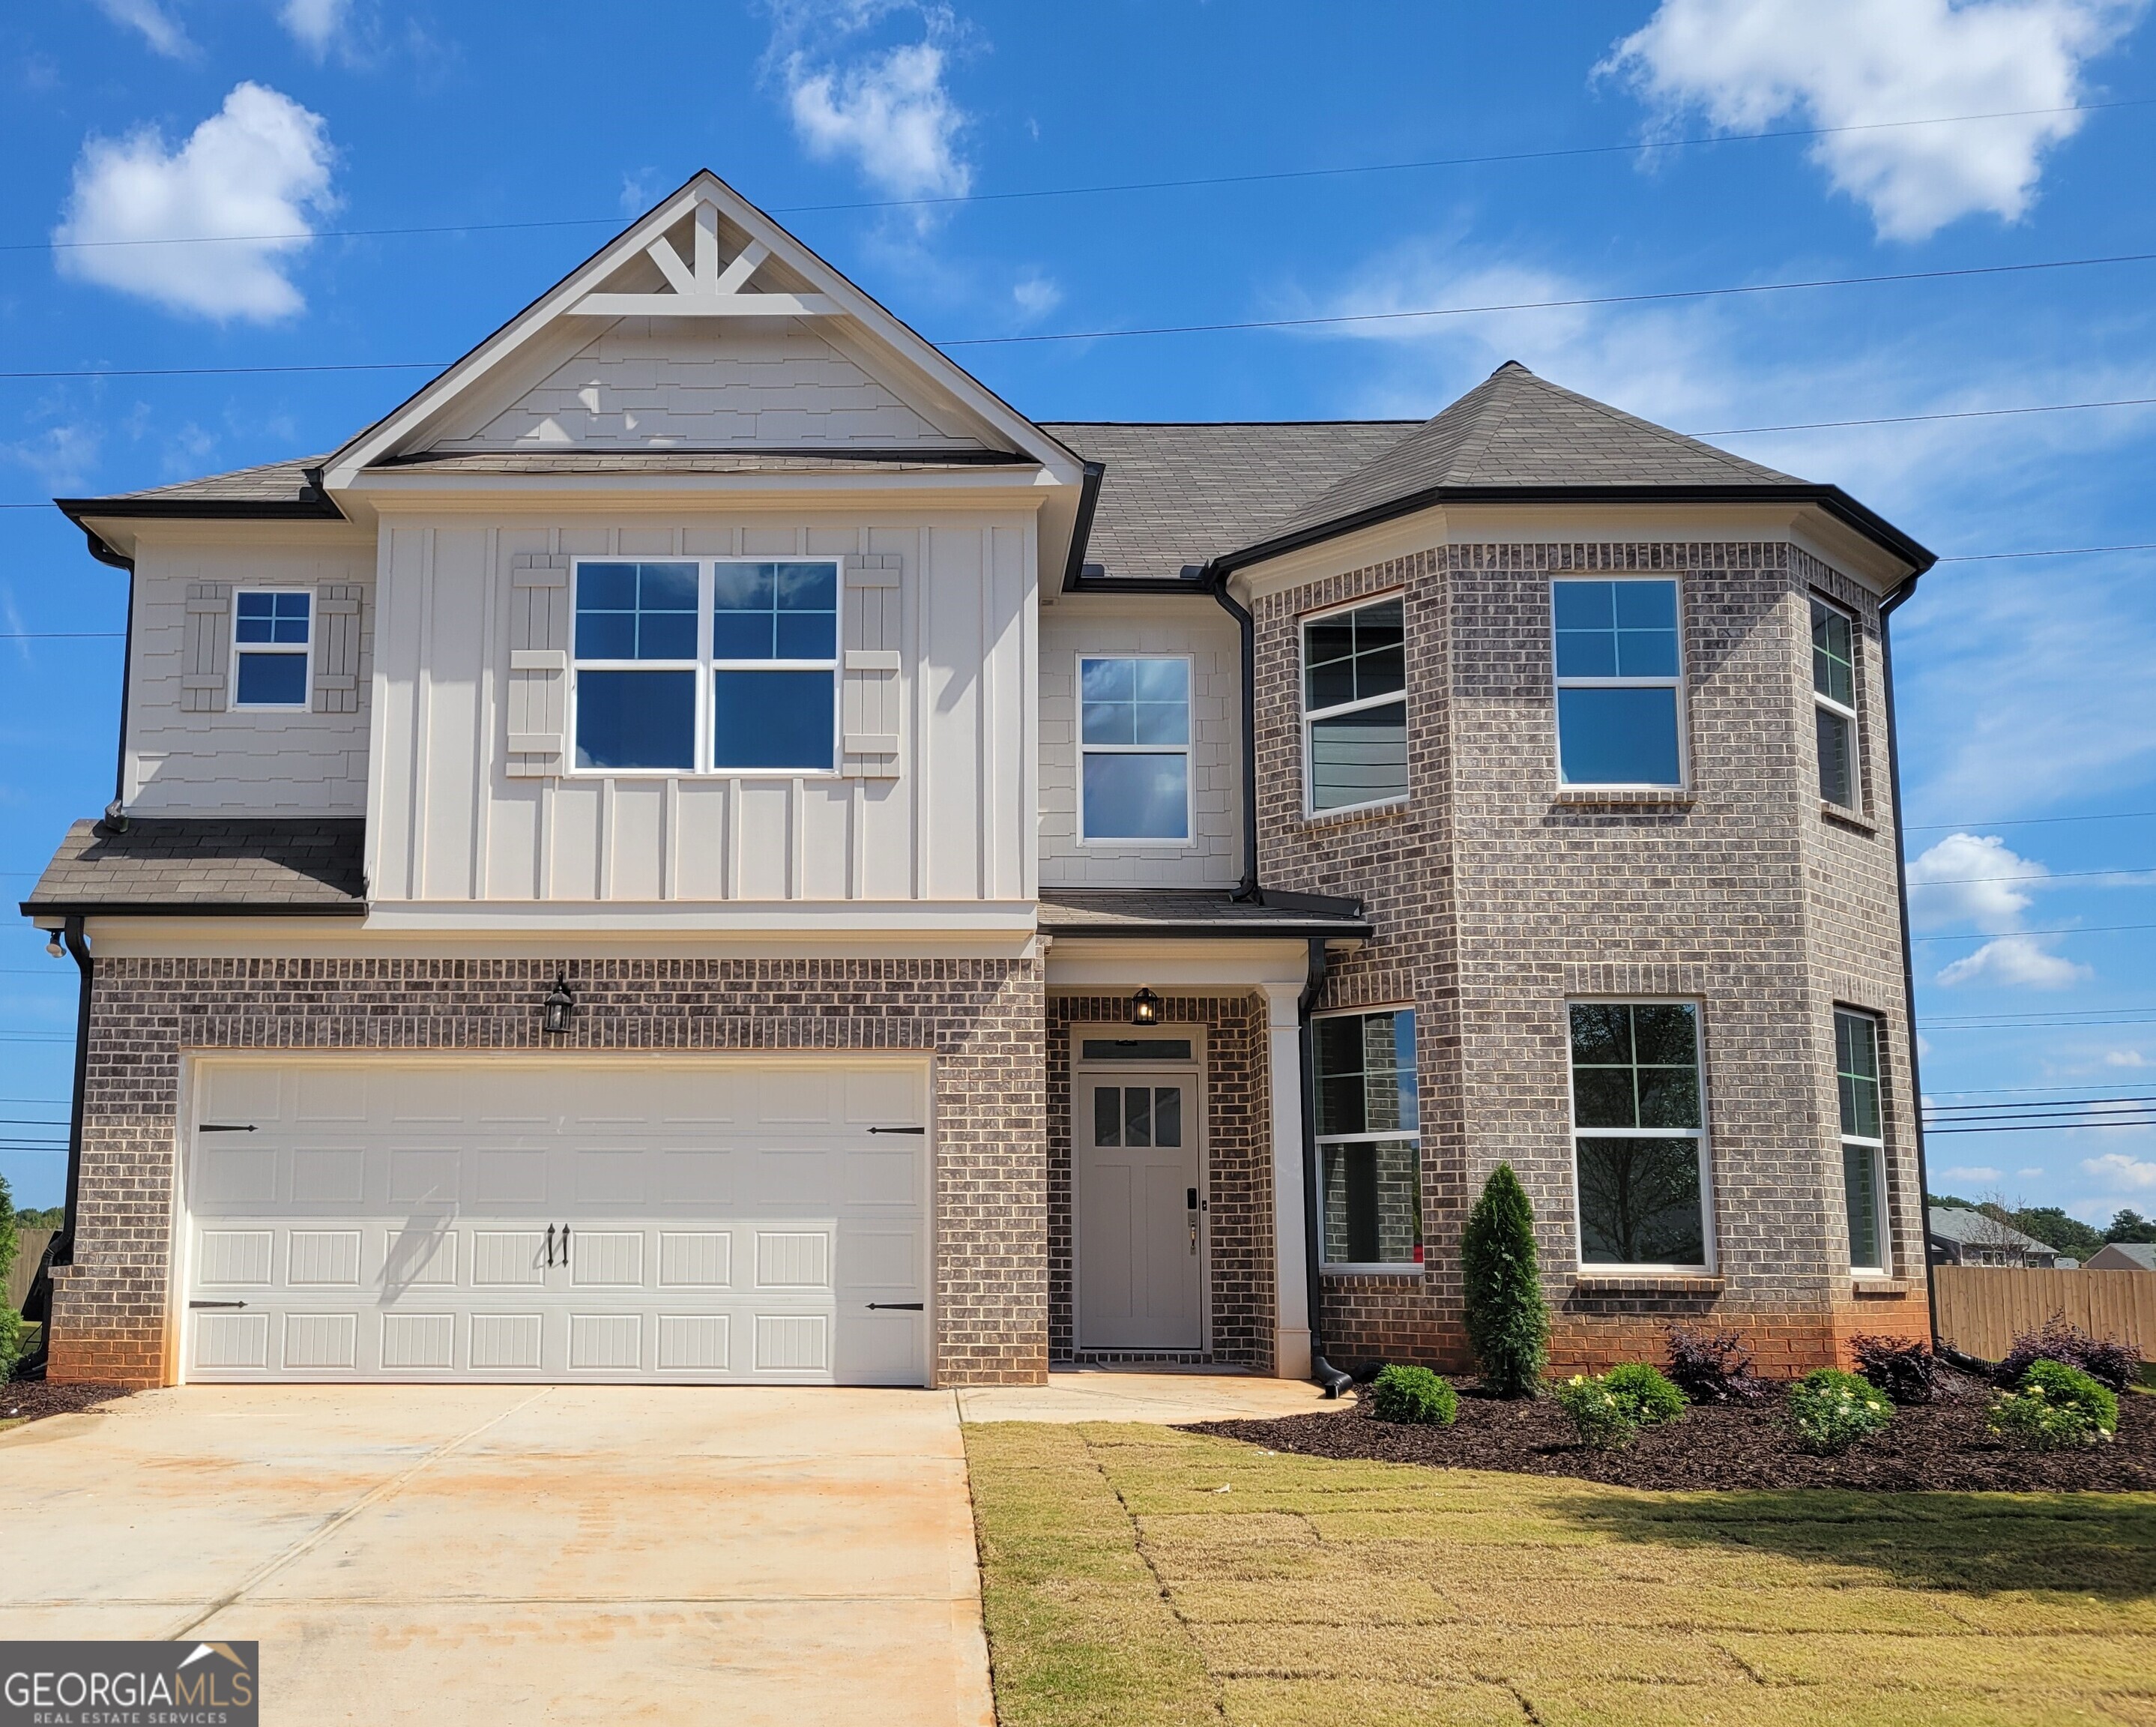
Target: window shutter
(869, 682)
(336, 648)
(206, 654)
(538, 705)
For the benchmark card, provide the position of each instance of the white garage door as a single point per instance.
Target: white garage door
(559, 1221)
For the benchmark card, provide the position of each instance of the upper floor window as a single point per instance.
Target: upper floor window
(1639, 1134)
(1620, 675)
(1369, 1144)
(1863, 1142)
(271, 633)
(707, 665)
(1354, 707)
(1834, 703)
(1134, 749)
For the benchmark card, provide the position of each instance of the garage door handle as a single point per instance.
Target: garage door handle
(217, 1303)
(550, 1245)
(226, 1127)
(894, 1307)
(898, 1130)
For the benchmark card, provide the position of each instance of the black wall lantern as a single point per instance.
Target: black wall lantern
(560, 1005)
(1145, 1009)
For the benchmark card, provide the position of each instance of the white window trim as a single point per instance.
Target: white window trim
(1311, 812)
(1612, 1268)
(1877, 1148)
(1683, 781)
(703, 666)
(1187, 750)
(306, 702)
(1358, 1268)
(1854, 806)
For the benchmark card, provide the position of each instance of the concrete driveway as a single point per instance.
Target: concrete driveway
(497, 1554)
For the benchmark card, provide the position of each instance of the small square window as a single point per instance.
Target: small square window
(271, 636)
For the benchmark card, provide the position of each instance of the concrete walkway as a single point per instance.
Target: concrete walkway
(1164, 1399)
(493, 1553)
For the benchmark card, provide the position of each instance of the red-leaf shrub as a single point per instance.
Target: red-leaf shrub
(1712, 1366)
(1904, 1368)
(2105, 1360)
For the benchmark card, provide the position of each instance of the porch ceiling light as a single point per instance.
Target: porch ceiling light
(561, 1005)
(1145, 1009)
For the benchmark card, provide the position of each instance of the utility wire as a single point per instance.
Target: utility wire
(1993, 935)
(2025, 821)
(2055, 875)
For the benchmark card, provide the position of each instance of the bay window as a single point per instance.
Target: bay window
(1863, 1141)
(1639, 1135)
(1619, 683)
(1369, 1145)
(1354, 707)
(1834, 703)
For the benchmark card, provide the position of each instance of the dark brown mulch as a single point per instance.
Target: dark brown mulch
(1942, 1446)
(32, 1399)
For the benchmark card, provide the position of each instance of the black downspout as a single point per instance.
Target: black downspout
(1908, 956)
(1323, 1371)
(1247, 890)
(116, 812)
(38, 1303)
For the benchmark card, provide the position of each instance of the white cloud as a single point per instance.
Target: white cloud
(160, 29)
(1968, 878)
(2015, 962)
(1037, 296)
(1750, 64)
(2031, 1172)
(61, 456)
(2124, 1058)
(13, 618)
(258, 167)
(1972, 1172)
(886, 110)
(316, 25)
(2116, 1167)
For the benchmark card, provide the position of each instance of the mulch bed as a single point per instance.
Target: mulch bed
(32, 1399)
(1942, 1446)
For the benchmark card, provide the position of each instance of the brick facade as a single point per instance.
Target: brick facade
(981, 1020)
(1240, 1297)
(1498, 898)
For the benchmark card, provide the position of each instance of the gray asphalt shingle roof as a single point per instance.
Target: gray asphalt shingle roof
(295, 866)
(1951, 1223)
(1075, 912)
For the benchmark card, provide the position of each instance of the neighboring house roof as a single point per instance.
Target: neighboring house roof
(1164, 912)
(1977, 1228)
(1516, 437)
(1176, 495)
(2122, 1256)
(292, 867)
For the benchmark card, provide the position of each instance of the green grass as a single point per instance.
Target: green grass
(1136, 1576)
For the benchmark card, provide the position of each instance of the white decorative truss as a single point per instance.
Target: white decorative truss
(705, 290)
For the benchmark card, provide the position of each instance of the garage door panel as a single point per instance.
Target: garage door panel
(710, 1243)
(236, 1094)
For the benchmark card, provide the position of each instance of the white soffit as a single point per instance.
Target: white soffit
(705, 284)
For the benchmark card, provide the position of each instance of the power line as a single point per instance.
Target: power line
(1993, 935)
(2055, 875)
(1637, 147)
(2025, 1091)
(2025, 821)
(2001, 1111)
(2061, 1128)
(2055, 551)
(1909, 419)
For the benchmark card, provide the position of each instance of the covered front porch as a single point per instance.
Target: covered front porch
(1179, 1209)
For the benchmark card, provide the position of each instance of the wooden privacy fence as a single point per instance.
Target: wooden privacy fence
(32, 1249)
(1982, 1307)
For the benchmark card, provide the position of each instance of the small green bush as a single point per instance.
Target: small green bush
(2056, 1407)
(1414, 1394)
(1832, 1410)
(11, 1341)
(1602, 1418)
(1507, 1322)
(1653, 1398)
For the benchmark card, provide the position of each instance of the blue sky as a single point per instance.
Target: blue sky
(506, 142)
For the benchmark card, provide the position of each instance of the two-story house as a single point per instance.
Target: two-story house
(705, 845)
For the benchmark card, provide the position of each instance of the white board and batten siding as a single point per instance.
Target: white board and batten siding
(939, 626)
(190, 753)
(667, 1220)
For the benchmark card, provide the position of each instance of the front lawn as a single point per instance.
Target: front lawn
(1141, 1576)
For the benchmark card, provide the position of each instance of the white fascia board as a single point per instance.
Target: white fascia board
(389, 492)
(774, 920)
(386, 435)
(1123, 964)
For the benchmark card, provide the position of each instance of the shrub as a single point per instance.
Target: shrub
(2103, 1359)
(1653, 1398)
(2055, 1407)
(1711, 1366)
(9, 1240)
(11, 1341)
(1602, 1418)
(1904, 1368)
(1507, 1322)
(1832, 1410)
(1414, 1395)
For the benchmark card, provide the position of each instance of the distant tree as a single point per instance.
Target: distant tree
(52, 1217)
(7, 1239)
(2131, 1227)
(2051, 1226)
(1949, 1202)
(1507, 1322)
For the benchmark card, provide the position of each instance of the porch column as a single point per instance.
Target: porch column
(1291, 1276)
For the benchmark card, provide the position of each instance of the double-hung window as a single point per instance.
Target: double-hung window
(1834, 703)
(1619, 682)
(1135, 749)
(1369, 1147)
(714, 665)
(1863, 1142)
(1639, 1134)
(271, 635)
(1354, 707)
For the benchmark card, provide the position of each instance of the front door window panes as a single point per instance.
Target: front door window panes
(1638, 1133)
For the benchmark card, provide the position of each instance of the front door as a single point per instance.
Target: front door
(1140, 1230)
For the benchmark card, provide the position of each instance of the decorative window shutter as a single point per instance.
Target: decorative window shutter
(538, 705)
(205, 653)
(336, 648)
(869, 704)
